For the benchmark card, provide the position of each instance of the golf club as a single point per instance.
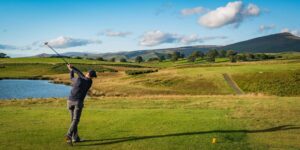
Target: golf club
(46, 43)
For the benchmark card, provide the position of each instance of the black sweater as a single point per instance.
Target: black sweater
(80, 85)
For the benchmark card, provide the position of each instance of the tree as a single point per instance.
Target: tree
(162, 58)
(169, 56)
(123, 60)
(201, 54)
(222, 53)
(139, 59)
(113, 59)
(250, 56)
(175, 56)
(231, 55)
(182, 55)
(195, 54)
(78, 57)
(242, 57)
(192, 58)
(89, 58)
(3, 55)
(211, 55)
(100, 58)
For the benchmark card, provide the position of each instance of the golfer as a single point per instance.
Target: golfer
(80, 87)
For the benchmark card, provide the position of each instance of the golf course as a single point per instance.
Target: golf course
(180, 105)
(149, 75)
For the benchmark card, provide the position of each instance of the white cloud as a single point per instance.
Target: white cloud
(263, 28)
(156, 37)
(294, 32)
(66, 42)
(232, 13)
(192, 11)
(252, 10)
(111, 33)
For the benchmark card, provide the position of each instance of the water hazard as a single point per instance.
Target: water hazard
(10, 89)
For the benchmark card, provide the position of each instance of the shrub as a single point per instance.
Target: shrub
(139, 59)
(123, 60)
(89, 58)
(112, 59)
(153, 59)
(137, 72)
(100, 59)
(78, 57)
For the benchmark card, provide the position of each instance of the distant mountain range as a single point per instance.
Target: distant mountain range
(281, 42)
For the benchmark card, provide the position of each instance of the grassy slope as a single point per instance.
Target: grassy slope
(185, 78)
(175, 122)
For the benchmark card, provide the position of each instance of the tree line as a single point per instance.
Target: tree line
(210, 56)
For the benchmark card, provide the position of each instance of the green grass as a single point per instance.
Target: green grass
(155, 123)
(61, 68)
(47, 60)
(285, 83)
(192, 79)
(32, 60)
(26, 70)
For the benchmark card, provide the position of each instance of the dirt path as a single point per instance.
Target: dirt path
(232, 84)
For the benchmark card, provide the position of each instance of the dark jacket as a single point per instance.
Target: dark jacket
(80, 85)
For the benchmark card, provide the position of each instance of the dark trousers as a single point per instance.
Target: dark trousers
(75, 109)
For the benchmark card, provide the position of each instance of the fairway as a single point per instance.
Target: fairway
(174, 122)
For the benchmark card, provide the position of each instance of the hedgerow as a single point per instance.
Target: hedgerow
(137, 72)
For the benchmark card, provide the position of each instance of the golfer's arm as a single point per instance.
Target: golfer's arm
(78, 72)
(72, 74)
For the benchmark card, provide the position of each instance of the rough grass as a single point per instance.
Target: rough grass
(196, 79)
(61, 68)
(273, 83)
(160, 122)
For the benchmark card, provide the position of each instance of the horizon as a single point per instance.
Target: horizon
(100, 27)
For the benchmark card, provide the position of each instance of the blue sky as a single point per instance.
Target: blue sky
(100, 26)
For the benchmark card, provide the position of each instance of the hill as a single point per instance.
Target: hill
(281, 42)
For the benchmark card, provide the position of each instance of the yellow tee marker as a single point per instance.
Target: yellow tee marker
(214, 140)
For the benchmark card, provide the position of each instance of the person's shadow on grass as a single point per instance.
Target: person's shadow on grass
(135, 138)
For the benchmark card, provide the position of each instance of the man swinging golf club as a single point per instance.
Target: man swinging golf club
(80, 87)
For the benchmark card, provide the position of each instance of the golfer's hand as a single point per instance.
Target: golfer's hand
(69, 67)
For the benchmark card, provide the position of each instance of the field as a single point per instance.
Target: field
(181, 106)
(172, 122)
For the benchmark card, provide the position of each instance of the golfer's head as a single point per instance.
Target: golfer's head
(91, 74)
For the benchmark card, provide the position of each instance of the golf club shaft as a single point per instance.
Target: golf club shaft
(57, 53)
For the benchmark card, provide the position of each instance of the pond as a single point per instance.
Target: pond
(11, 88)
